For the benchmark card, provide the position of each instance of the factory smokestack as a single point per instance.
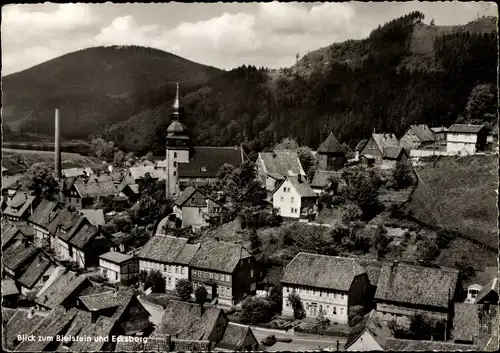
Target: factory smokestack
(57, 140)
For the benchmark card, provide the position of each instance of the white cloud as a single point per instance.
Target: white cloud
(66, 17)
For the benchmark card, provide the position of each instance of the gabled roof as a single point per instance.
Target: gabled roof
(392, 152)
(313, 270)
(330, 145)
(61, 289)
(101, 328)
(301, 187)
(418, 285)
(41, 216)
(374, 325)
(385, 140)
(423, 133)
(466, 323)
(20, 323)
(80, 233)
(115, 257)
(465, 128)
(219, 256)
(9, 231)
(106, 300)
(17, 257)
(281, 163)
(492, 286)
(168, 249)
(50, 326)
(361, 145)
(185, 195)
(321, 178)
(95, 217)
(207, 161)
(34, 270)
(234, 336)
(439, 129)
(9, 287)
(184, 320)
(19, 204)
(96, 189)
(62, 217)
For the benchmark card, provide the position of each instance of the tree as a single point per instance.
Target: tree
(155, 281)
(276, 298)
(381, 241)
(148, 157)
(41, 179)
(287, 144)
(322, 322)
(362, 189)
(307, 161)
(102, 149)
(432, 22)
(255, 242)
(201, 295)
(119, 158)
(143, 275)
(350, 213)
(465, 269)
(255, 310)
(356, 314)
(402, 175)
(482, 104)
(184, 289)
(297, 306)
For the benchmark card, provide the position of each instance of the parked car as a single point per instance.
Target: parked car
(269, 340)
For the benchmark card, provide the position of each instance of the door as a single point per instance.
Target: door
(314, 309)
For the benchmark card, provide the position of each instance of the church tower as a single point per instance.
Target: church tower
(178, 146)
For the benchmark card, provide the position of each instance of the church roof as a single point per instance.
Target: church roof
(207, 161)
(176, 127)
(330, 145)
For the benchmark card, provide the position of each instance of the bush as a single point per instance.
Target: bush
(465, 269)
(255, 310)
(297, 306)
(356, 314)
(350, 213)
(444, 237)
(184, 289)
(155, 281)
(322, 323)
(276, 298)
(201, 294)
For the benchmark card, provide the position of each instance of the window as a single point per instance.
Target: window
(292, 200)
(291, 210)
(334, 310)
(169, 281)
(175, 164)
(342, 296)
(335, 295)
(251, 273)
(307, 306)
(282, 198)
(342, 311)
(175, 154)
(203, 169)
(182, 270)
(45, 278)
(287, 303)
(252, 286)
(176, 269)
(165, 268)
(174, 173)
(116, 275)
(211, 275)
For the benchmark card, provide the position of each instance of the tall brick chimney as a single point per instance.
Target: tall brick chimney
(57, 143)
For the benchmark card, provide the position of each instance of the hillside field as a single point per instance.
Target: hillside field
(461, 193)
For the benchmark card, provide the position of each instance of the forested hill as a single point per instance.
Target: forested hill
(94, 88)
(377, 88)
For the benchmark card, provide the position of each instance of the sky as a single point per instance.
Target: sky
(224, 35)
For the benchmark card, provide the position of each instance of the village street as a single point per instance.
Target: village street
(300, 341)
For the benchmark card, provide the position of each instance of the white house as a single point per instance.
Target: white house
(168, 255)
(295, 198)
(328, 284)
(472, 292)
(466, 139)
(369, 335)
(273, 167)
(196, 209)
(116, 267)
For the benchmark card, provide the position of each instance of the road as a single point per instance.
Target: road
(300, 341)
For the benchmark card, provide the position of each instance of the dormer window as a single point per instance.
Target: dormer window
(203, 169)
(175, 155)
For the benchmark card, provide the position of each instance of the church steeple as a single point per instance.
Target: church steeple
(177, 109)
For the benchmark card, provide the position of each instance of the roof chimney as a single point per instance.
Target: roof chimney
(57, 143)
(299, 178)
(31, 312)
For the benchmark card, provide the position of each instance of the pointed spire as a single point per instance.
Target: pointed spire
(176, 107)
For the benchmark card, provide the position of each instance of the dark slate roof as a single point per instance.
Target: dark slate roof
(332, 272)
(464, 128)
(234, 336)
(372, 323)
(95, 217)
(7, 314)
(96, 189)
(41, 216)
(330, 145)
(60, 290)
(423, 133)
(80, 233)
(50, 326)
(321, 178)
(168, 249)
(9, 231)
(410, 284)
(466, 322)
(105, 300)
(153, 344)
(183, 320)
(393, 344)
(154, 172)
(17, 257)
(491, 286)
(361, 144)
(207, 161)
(20, 323)
(19, 204)
(392, 152)
(9, 287)
(35, 270)
(219, 256)
(373, 269)
(185, 195)
(281, 163)
(303, 188)
(439, 129)
(273, 275)
(115, 257)
(62, 217)
(385, 140)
